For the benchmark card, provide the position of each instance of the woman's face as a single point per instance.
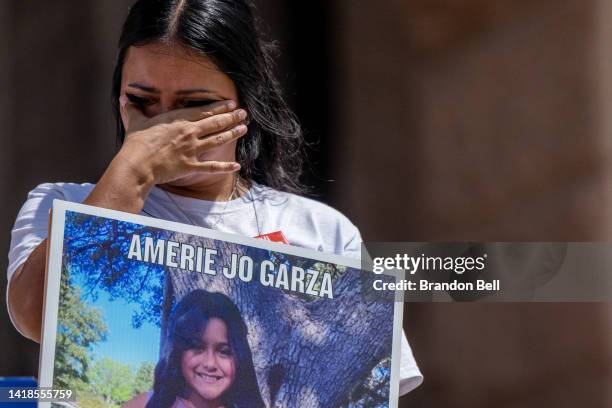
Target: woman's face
(163, 77)
(209, 371)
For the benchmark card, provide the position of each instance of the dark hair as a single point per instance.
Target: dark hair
(186, 325)
(226, 31)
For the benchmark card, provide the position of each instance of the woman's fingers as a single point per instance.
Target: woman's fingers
(211, 166)
(219, 123)
(197, 113)
(222, 138)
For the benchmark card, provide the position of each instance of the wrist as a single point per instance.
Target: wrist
(134, 171)
(124, 186)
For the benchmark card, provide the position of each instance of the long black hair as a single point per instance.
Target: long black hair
(186, 325)
(227, 32)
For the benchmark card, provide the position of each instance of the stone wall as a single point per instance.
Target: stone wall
(475, 120)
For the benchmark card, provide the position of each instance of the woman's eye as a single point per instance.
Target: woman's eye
(196, 103)
(139, 100)
(225, 351)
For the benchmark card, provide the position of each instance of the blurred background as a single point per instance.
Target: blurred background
(435, 120)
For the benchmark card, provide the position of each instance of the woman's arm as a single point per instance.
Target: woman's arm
(25, 295)
(120, 188)
(156, 150)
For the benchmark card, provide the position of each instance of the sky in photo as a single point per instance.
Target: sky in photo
(124, 343)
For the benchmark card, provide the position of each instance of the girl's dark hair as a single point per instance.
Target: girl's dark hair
(226, 31)
(186, 325)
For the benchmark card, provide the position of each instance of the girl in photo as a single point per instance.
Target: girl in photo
(206, 362)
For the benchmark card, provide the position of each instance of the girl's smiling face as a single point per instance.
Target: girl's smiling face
(209, 371)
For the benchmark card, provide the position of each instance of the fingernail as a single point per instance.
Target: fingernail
(241, 129)
(122, 101)
(231, 105)
(236, 166)
(242, 114)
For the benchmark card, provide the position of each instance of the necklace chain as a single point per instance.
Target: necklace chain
(211, 225)
(233, 195)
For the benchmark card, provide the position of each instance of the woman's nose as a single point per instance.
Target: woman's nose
(166, 106)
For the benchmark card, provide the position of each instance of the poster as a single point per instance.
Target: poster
(144, 311)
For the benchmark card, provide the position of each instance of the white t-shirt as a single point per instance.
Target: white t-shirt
(305, 223)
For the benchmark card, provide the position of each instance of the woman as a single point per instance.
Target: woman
(206, 361)
(207, 139)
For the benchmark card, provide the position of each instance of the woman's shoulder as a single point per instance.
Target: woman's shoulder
(61, 190)
(32, 221)
(40, 200)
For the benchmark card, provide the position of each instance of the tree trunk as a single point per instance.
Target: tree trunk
(166, 309)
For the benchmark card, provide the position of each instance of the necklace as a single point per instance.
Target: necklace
(211, 225)
(219, 219)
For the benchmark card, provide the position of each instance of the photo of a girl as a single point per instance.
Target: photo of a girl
(206, 361)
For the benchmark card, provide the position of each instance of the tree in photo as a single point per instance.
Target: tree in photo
(80, 327)
(95, 248)
(143, 379)
(112, 380)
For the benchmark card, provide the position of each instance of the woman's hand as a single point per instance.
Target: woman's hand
(164, 148)
(169, 146)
